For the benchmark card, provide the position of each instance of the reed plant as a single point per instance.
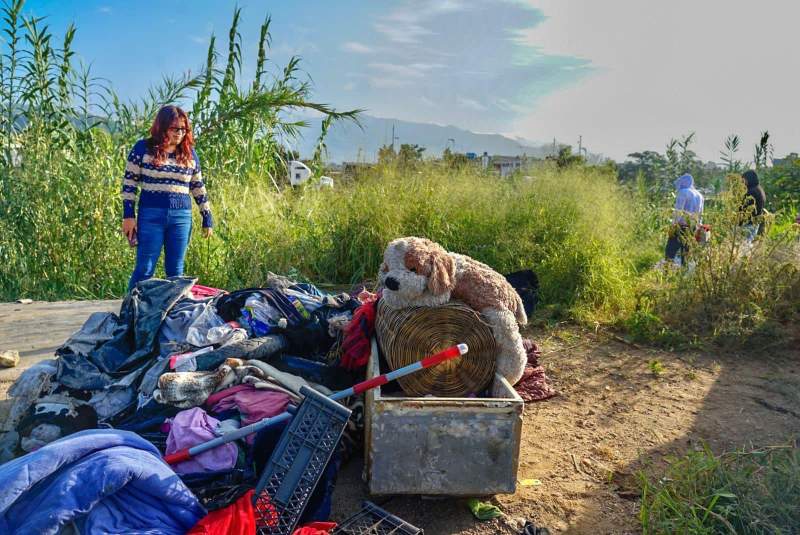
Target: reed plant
(64, 136)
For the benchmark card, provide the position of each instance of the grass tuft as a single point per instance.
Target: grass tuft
(744, 492)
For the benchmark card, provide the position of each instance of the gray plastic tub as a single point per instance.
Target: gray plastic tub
(441, 446)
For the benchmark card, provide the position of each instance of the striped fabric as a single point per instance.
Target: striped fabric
(170, 185)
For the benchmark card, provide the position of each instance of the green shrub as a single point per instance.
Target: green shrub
(644, 326)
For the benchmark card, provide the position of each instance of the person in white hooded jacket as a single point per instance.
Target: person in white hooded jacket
(686, 216)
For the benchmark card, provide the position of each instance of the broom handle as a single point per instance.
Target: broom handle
(187, 453)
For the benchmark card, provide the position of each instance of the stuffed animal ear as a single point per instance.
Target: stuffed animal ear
(443, 272)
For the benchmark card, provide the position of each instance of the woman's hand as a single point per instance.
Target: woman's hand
(207, 232)
(129, 227)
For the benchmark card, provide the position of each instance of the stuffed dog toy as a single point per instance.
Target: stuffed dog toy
(419, 272)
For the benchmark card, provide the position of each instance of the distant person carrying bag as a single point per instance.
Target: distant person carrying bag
(687, 215)
(167, 170)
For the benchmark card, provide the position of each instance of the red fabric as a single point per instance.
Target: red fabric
(266, 513)
(357, 334)
(533, 385)
(236, 519)
(199, 291)
(315, 528)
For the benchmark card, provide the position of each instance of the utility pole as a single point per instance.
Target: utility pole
(554, 148)
(580, 144)
(393, 137)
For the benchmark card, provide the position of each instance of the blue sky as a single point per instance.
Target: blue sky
(625, 75)
(442, 61)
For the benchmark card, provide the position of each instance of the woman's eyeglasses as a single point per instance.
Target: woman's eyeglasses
(178, 129)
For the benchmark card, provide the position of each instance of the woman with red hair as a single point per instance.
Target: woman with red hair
(166, 169)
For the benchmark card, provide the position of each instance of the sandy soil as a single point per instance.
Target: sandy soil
(614, 417)
(622, 408)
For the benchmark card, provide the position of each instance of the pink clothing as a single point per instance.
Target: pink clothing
(253, 404)
(533, 386)
(192, 427)
(199, 291)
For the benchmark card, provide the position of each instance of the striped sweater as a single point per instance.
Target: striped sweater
(163, 186)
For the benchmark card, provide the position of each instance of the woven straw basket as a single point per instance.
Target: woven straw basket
(407, 335)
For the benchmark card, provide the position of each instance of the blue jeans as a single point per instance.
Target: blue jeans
(159, 228)
(750, 231)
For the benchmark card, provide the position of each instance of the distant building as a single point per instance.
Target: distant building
(505, 165)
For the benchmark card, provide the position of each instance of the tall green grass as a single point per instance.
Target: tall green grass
(744, 492)
(569, 226)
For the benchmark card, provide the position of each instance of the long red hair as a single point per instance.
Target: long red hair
(158, 136)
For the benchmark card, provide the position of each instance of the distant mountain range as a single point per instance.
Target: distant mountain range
(347, 142)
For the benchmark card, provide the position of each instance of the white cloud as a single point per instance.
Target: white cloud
(405, 24)
(469, 103)
(349, 86)
(294, 50)
(387, 82)
(407, 33)
(357, 48)
(104, 9)
(665, 69)
(411, 70)
(507, 105)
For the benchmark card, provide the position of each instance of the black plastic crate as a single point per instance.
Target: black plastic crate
(297, 463)
(372, 520)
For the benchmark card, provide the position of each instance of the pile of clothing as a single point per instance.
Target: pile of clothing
(179, 365)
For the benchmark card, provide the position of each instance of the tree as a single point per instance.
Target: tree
(728, 156)
(566, 159)
(386, 154)
(409, 154)
(687, 156)
(762, 152)
(649, 164)
(657, 172)
(782, 183)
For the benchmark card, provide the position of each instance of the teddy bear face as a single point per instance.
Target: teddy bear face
(416, 272)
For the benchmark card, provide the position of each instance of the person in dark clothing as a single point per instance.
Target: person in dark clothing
(752, 208)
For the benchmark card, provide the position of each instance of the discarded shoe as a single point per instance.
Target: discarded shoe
(531, 529)
(483, 510)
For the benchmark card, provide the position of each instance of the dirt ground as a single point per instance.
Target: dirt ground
(621, 408)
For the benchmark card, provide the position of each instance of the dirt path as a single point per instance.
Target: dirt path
(37, 329)
(621, 408)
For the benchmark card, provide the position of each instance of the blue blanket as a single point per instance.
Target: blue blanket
(106, 481)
